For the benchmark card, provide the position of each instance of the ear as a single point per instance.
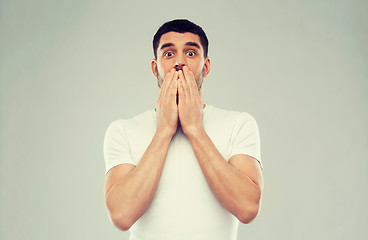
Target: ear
(154, 67)
(207, 67)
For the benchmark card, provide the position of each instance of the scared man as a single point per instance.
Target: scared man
(184, 170)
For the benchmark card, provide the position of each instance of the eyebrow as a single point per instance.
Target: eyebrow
(193, 44)
(166, 45)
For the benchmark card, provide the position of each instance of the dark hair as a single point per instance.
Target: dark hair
(180, 26)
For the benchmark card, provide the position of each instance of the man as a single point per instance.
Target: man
(184, 170)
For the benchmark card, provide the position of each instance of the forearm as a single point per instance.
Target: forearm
(130, 196)
(233, 188)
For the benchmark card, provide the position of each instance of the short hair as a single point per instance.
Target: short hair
(180, 26)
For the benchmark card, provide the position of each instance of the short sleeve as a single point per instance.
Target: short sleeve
(116, 147)
(245, 138)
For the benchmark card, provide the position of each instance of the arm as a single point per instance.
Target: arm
(129, 189)
(237, 184)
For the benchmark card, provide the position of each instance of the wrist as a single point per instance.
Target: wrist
(165, 132)
(194, 132)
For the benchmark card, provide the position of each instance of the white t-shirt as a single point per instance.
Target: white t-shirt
(183, 206)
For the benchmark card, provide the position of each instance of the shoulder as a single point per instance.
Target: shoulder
(125, 128)
(229, 116)
(136, 121)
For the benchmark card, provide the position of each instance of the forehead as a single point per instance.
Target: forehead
(179, 39)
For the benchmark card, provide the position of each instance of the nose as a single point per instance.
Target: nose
(179, 66)
(179, 62)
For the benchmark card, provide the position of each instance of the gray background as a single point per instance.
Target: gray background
(69, 68)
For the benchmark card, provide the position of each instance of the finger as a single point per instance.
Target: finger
(181, 91)
(189, 77)
(195, 94)
(168, 78)
(173, 88)
(184, 86)
(163, 85)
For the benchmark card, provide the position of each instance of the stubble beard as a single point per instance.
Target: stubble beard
(198, 79)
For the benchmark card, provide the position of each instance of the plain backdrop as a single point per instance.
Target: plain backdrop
(69, 68)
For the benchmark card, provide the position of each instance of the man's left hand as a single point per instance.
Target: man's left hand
(190, 103)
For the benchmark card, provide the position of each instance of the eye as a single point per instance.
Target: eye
(168, 54)
(190, 53)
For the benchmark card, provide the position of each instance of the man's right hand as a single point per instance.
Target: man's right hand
(129, 189)
(166, 108)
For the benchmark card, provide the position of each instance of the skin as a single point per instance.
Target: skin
(188, 55)
(237, 184)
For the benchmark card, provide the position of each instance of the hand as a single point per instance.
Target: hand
(190, 103)
(166, 108)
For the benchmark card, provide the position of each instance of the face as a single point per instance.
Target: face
(176, 50)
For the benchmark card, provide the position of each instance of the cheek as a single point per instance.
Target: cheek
(163, 69)
(196, 69)
(160, 71)
(196, 66)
